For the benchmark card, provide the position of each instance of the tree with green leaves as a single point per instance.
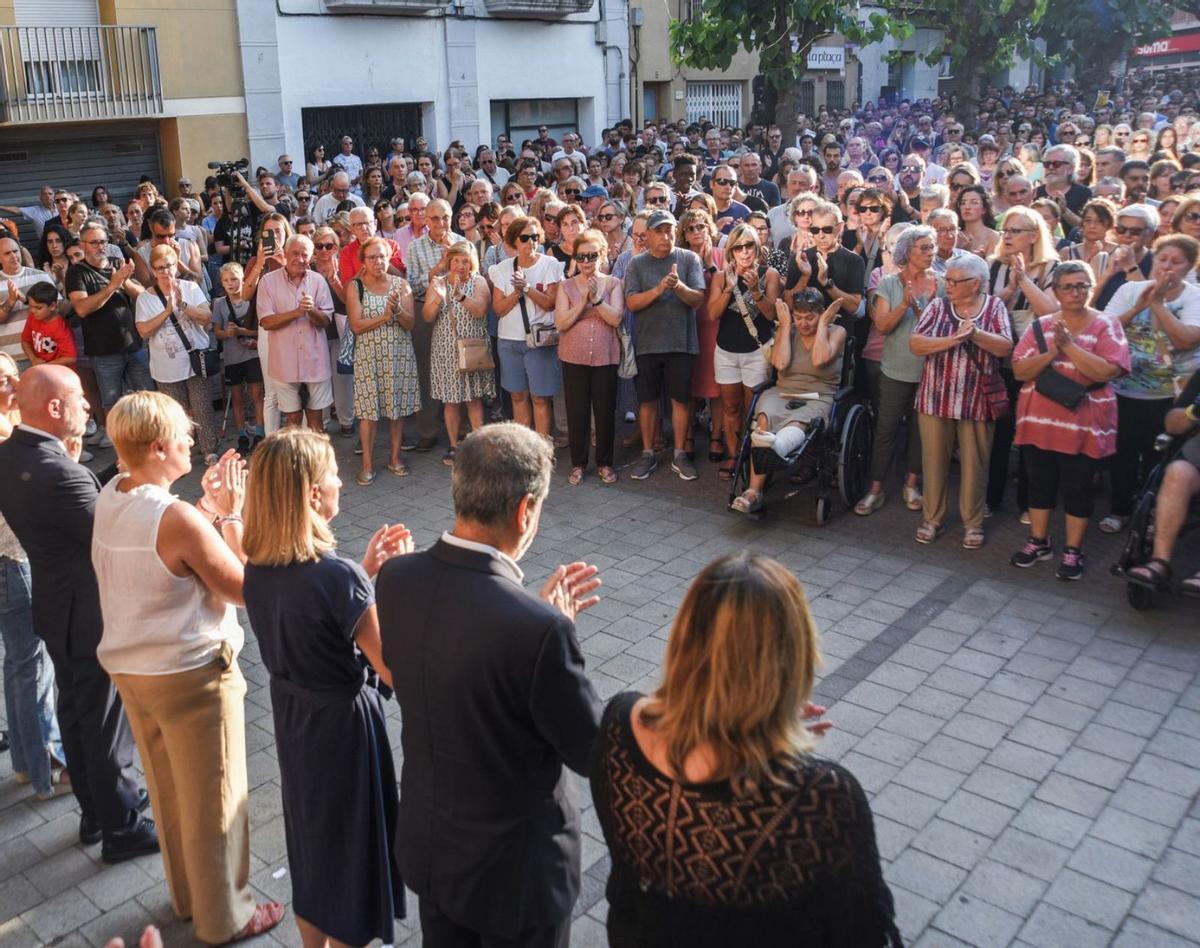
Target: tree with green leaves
(1097, 33)
(781, 31)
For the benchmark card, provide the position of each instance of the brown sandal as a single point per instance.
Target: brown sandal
(266, 916)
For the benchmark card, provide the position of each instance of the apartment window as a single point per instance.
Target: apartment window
(719, 102)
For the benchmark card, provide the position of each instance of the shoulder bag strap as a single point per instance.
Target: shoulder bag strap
(187, 345)
(521, 303)
(1039, 335)
(740, 302)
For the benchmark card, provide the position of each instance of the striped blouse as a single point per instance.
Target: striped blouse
(952, 381)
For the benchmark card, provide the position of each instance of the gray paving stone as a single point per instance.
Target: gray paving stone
(1138, 934)
(1124, 717)
(1051, 927)
(1111, 864)
(1151, 803)
(1052, 823)
(951, 752)
(976, 922)
(1176, 911)
(976, 813)
(905, 806)
(1187, 838)
(1005, 887)
(975, 730)
(1038, 857)
(974, 661)
(1170, 775)
(1001, 786)
(927, 875)
(930, 778)
(889, 748)
(913, 912)
(952, 843)
(1094, 768)
(934, 701)
(1089, 898)
(64, 913)
(1073, 794)
(61, 871)
(1178, 869)
(1062, 713)
(1109, 741)
(873, 774)
(16, 895)
(1020, 759)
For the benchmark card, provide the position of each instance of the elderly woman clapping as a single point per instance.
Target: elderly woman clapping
(960, 396)
(896, 304)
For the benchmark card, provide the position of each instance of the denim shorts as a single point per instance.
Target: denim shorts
(529, 370)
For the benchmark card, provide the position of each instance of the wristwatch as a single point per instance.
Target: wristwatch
(1190, 414)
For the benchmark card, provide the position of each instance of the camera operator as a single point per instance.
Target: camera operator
(245, 207)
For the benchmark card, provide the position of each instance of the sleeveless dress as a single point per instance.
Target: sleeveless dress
(801, 377)
(385, 365)
(446, 383)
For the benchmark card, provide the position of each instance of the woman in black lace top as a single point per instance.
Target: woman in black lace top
(723, 828)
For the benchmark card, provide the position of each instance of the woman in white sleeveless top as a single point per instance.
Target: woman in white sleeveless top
(170, 575)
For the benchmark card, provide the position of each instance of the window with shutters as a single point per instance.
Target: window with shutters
(719, 102)
(808, 97)
(835, 94)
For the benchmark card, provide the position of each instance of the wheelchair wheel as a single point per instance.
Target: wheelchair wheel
(1139, 597)
(1139, 542)
(821, 511)
(854, 455)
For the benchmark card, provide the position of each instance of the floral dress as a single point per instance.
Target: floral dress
(385, 365)
(446, 383)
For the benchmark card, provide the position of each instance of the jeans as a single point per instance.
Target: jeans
(116, 373)
(28, 681)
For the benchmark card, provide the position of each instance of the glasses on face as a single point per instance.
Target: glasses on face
(527, 238)
(911, 169)
(661, 199)
(960, 280)
(288, 163)
(94, 243)
(587, 257)
(1124, 230)
(1005, 174)
(606, 217)
(827, 229)
(1192, 217)
(878, 179)
(725, 182)
(748, 245)
(1016, 231)
(62, 200)
(1055, 164)
(325, 246)
(1073, 287)
(869, 208)
(571, 192)
(163, 268)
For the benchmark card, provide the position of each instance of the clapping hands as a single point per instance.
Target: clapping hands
(388, 541)
(568, 588)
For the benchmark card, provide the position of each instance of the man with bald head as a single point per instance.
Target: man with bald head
(48, 500)
(339, 191)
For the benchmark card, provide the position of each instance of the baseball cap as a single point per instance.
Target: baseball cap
(594, 191)
(659, 218)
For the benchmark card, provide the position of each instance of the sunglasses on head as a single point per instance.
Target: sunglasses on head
(586, 257)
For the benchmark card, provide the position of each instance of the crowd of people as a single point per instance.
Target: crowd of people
(1030, 282)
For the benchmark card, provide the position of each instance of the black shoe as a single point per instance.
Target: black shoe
(90, 832)
(143, 801)
(243, 444)
(3, 741)
(140, 839)
(425, 444)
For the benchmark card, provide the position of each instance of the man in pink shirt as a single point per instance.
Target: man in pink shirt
(362, 226)
(417, 203)
(294, 306)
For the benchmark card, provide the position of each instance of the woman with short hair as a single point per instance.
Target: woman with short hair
(587, 311)
(173, 317)
(170, 575)
(723, 764)
(1161, 319)
(962, 338)
(457, 305)
(1062, 447)
(313, 615)
(610, 221)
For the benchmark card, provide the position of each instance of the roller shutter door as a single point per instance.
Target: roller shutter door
(78, 158)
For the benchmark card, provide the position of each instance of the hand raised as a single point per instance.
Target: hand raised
(569, 586)
(388, 541)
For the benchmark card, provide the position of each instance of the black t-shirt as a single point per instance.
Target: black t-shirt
(732, 334)
(110, 329)
(1118, 280)
(764, 191)
(1077, 195)
(846, 271)
(240, 234)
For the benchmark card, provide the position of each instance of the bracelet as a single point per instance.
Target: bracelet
(232, 518)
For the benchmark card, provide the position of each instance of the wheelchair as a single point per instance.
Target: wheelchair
(835, 456)
(1139, 544)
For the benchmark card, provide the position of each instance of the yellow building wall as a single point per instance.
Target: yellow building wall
(188, 144)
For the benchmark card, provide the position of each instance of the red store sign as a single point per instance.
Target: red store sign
(1183, 43)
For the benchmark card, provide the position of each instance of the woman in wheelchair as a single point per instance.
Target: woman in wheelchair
(806, 356)
(1180, 486)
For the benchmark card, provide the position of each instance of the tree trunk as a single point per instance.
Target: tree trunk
(767, 103)
(787, 106)
(970, 84)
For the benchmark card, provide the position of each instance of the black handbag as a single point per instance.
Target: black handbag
(1053, 384)
(205, 362)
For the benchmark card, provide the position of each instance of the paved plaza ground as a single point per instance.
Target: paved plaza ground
(1031, 747)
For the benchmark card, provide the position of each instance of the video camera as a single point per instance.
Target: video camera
(225, 178)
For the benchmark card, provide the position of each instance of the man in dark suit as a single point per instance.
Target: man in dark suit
(494, 701)
(48, 500)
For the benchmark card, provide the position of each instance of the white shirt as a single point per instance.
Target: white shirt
(499, 177)
(934, 174)
(10, 329)
(780, 222)
(541, 275)
(326, 206)
(450, 538)
(169, 361)
(353, 166)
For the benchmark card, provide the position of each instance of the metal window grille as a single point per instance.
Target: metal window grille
(835, 94)
(719, 102)
(808, 97)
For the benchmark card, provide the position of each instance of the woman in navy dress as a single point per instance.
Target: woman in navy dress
(313, 612)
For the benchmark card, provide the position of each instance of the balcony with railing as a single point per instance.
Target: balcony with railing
(69, 73)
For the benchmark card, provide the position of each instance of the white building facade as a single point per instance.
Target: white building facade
(465, 69)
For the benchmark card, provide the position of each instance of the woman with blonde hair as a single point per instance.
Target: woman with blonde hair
(170, 574)
(1005, 168)
(457, 305)
(381, 314)
(719, 760)
(587, 311)
(173, 317)
(610, 221)
(313, 614)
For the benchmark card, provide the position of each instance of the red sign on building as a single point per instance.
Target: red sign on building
(1172, 46)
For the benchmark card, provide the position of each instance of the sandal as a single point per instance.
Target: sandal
(928, 531)
(869, 504)
(725, 471)
(1144, 574)
(365, 478)
(1190, 587)
(719, 454)
(1112, 524)
(448, 457)
(750, 501)
(607, 475)
(266, 916)
(400, 469)
(575, 478)
(973, 539)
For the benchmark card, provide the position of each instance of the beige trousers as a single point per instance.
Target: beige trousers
(191, 732)
(974, 439)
